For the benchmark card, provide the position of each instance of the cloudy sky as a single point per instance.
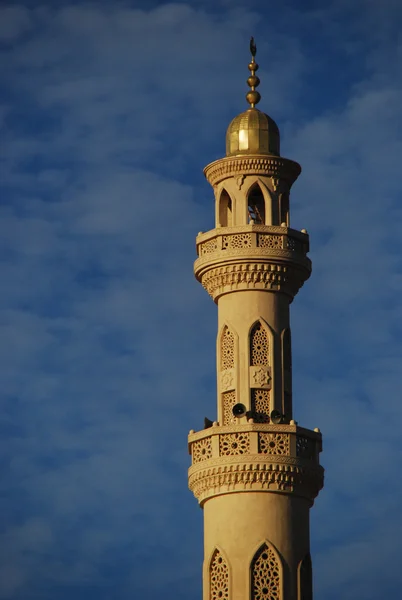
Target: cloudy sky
(109, 112)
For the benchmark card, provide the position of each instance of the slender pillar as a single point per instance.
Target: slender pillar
(254, 471)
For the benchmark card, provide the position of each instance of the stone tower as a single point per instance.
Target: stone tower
(254, 471)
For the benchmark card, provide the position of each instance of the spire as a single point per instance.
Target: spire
(252, 131)
(253, 97)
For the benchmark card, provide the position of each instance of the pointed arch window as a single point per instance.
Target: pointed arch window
(260, 377)
(227, 349)
(284, 208)
(256, 205)
(225, 210)
(265, 575)
(287, 373)
(218, 577)
(305, 578)
(259, 345)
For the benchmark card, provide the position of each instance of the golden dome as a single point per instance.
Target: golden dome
(252, 132)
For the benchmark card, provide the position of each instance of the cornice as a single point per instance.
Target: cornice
(270, 166)
(223, 277)
(277, 474)
(203, 236)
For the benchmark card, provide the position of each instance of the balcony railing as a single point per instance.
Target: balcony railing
(252, 236)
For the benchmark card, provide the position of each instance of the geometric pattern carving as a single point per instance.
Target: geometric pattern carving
(272, 166)
(257, 275)
(259, 346)
(227, 379)
(233, 444)
(260, 405)
(274, 443)
(202, 450)
(209, 246)
(294, 245)
(265, 575)
(239, 240)
(305, 447)
(218, 577)
(260, 376)
(305, 579)
(278, 473)
(269, 241)
(229, 400)
(227, 349)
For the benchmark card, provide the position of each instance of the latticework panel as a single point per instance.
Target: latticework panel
(305, 447)
(232, 444)
(202, 450)
(306, 579)
(208, 247)
(218, 578)
(294, 245)
(270, 241)
(239, 240)
(259, 346)
(227, 349)
(229, 400)
(274, 443)
(260, 405)
(265, 575)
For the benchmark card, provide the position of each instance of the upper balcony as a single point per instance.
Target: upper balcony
(271, 237)
(260, 256)
(252, 456)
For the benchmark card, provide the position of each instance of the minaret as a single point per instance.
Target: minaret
(254, 471)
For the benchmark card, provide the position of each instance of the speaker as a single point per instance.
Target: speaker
(239, 410)
(207, 423)
(277, 417)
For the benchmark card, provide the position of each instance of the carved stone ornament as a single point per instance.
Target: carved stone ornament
(275, 183)
(273, 166)
(239, 181)
(279, 474)
(221, 280)
(261, 377)
(227, 379)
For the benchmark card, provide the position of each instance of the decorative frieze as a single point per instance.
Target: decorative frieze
(276, 474)
(276, 167)
(253, 275)
(254, 456)
(259, 236)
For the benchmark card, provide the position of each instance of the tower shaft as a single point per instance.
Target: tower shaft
(255, 472)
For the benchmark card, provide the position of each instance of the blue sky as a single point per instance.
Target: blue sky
(109, 112)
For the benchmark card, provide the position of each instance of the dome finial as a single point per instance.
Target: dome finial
(253, 97)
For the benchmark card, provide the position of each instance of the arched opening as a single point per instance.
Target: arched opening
(225, 210)
(284, 209)
(259, 357)
(305, 577)
(287, 374)
(265, 575)
(259, 345)
(218, 577)
(256, 205)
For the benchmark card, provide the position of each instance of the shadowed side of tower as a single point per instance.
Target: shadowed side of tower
(255, 472)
